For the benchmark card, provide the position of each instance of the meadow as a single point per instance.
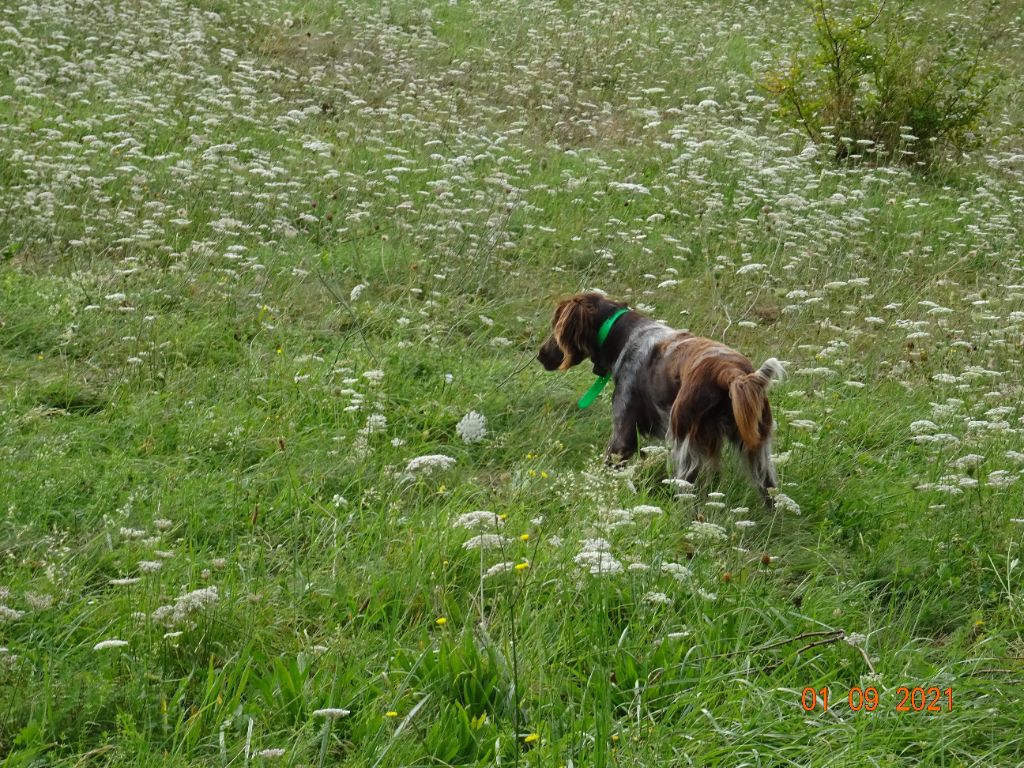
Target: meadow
(282, 483)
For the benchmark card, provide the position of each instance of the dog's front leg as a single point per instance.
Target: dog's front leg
(623, 444)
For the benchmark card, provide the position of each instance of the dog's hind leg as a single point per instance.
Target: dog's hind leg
(686, 460)
(758, 464)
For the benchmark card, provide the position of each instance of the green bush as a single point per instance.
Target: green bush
(884, 83)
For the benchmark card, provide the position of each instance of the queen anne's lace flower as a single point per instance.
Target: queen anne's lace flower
(430, 462)
(472, 428)
(104, 644)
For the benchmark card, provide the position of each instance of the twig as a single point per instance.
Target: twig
(802, 636)
(504, 381)
(839, 635)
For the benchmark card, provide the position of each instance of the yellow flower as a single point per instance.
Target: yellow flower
(531, 738)
(524, 537)
(441, 621)
(391, 713)
(522, 566)
(544, 474)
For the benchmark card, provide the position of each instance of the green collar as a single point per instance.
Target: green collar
(595, 389)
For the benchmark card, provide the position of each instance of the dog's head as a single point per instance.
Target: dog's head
(574, 330)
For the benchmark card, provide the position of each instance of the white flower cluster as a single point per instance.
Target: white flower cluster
(472, 428)
(104, 644)
(706, 533)
(185, 605)
(676, 571)
(480, 518)
(427, 464)
(486, 541)
(597, 558)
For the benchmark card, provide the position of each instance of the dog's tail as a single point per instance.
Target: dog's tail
(749, 404)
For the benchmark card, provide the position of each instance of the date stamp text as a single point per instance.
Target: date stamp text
(906, 699)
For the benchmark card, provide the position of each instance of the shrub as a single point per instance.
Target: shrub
(882, 82)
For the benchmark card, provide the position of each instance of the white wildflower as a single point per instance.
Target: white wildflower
(677, 571)
(1000, 478)
(194, 601)
(38, 601)
(331, 712)
(656, 598)
(104, 644)
(486, 541)
(427, 464)
(499, 568)
(480, 518)
(970, 460)
(803, 424)
(654, 450)
(646, 509)
(598, 562)
(706, 533)
(375, 422)
(786, 504)
(472, 428)
(746, 268)
(9, 614)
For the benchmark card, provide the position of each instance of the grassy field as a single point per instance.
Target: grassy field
(257, 257)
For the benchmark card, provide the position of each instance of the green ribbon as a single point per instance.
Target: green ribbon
(595, 389)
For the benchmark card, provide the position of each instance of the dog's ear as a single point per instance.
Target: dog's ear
(573, 329)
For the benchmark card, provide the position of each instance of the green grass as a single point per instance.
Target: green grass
(190, 194)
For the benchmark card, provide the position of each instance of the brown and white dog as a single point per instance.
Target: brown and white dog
(669, 383)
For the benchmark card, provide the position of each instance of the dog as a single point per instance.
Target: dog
(695, 391)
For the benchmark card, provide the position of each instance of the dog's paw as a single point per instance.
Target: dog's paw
(615, 460)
